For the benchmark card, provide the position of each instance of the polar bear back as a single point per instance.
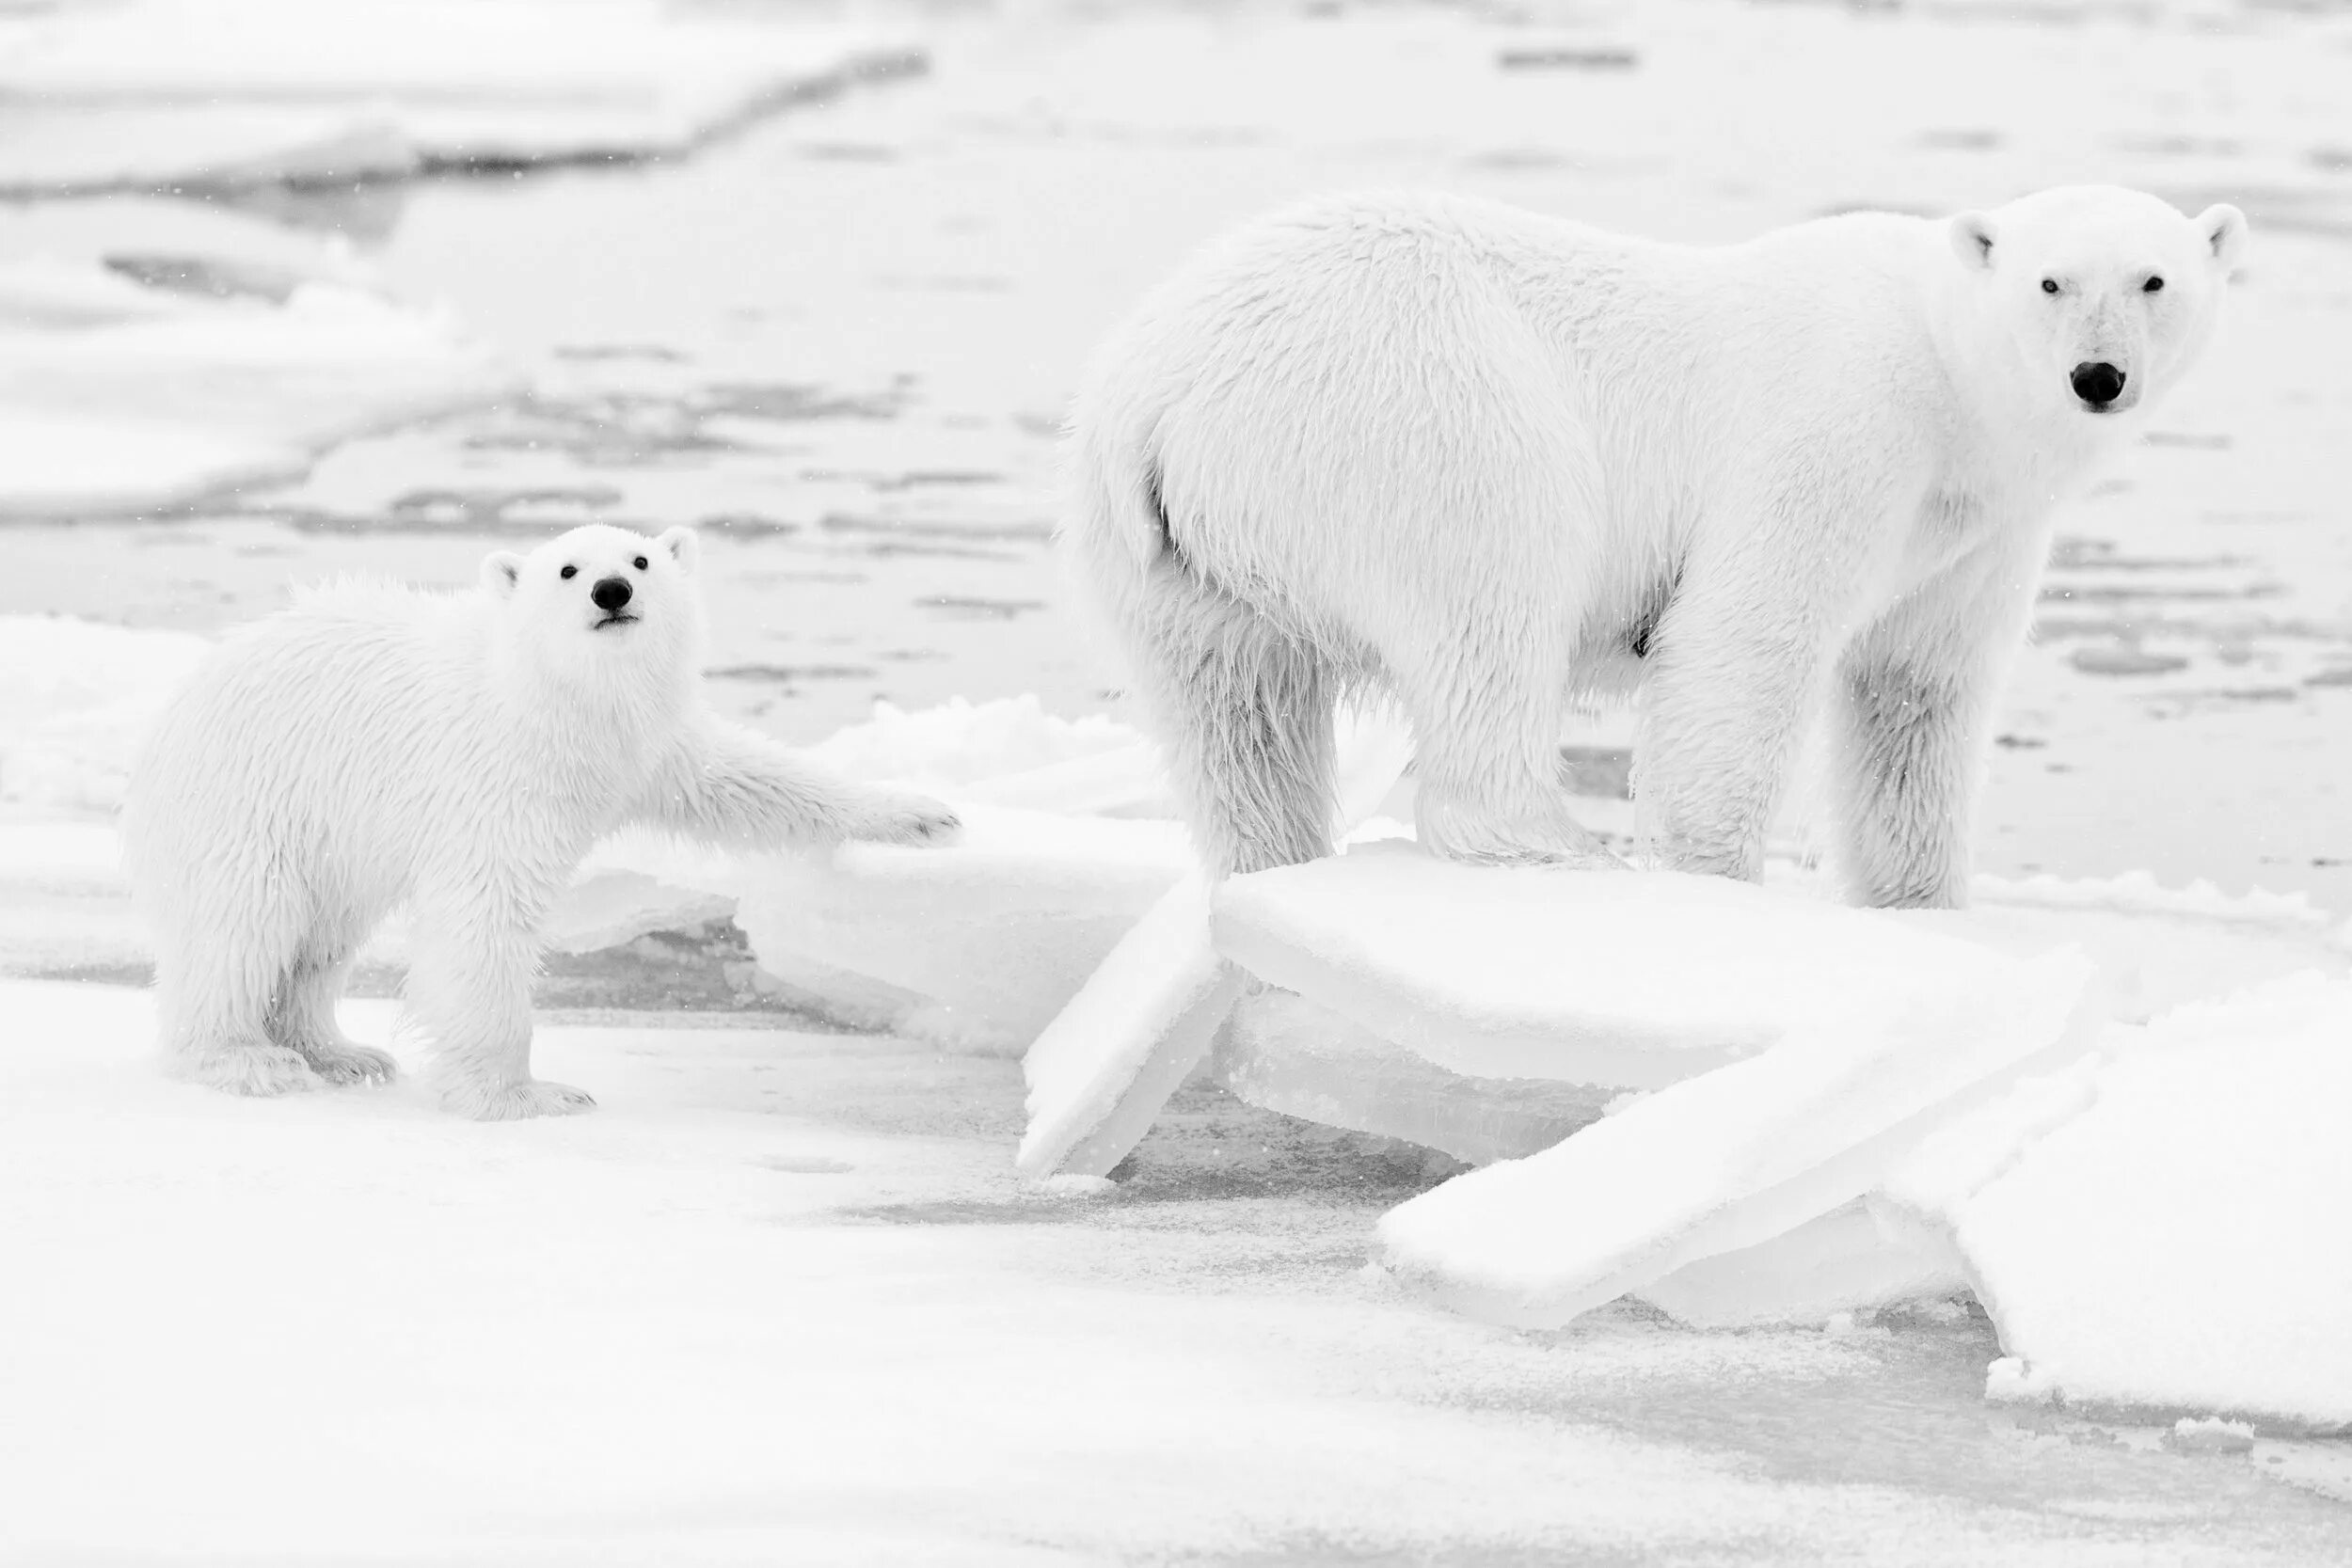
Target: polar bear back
(1383, 368)
(349, 730)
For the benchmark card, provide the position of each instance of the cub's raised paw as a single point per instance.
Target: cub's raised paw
(253, 1067)
(908, 819)
(352, 1064)
(533, 1097)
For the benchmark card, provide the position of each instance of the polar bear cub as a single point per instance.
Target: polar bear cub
(1497, 463)
(376, 746)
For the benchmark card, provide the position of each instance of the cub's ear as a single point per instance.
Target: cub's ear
(1972, 235)
(2224, 227)
(685, 547)
(501, 572)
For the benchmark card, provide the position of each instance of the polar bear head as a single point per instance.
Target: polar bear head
(600, 602)
(2103, 297)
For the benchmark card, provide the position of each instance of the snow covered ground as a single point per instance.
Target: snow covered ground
(784, 1297)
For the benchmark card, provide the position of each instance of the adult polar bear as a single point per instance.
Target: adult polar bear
(1494, 462)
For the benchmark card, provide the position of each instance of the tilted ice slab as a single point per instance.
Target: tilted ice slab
(2160, 1227)
(158, 93)
(1099, 1073)
(1632, 979)
(117, 399)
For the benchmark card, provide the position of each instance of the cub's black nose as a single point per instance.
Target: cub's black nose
(2097, 384)
(610, 594)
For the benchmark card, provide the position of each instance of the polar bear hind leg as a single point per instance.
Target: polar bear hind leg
(217, 975)
(1245, 715)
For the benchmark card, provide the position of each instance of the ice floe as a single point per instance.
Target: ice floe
(172, 94)
(116, 398)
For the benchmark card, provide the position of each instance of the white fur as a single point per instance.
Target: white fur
(374, 746)
(1497, 462)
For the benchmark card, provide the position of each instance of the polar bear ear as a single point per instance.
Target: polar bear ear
(1972, 235)
(2224, 227)
(685, 547)
(501, 572)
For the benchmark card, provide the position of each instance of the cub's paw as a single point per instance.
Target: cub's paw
(533, 1097)
(907, 819)
(352, 1064)
(251, 1067)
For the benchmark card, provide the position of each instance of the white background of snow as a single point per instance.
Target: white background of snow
(662, 1333)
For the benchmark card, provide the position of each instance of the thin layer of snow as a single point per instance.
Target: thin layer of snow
(2174, 1243)
(173, 93)
(120, 398)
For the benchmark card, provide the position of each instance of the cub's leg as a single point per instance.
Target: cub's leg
(220, 963)
(303, 1019)
(732, 787)
(1914, 700)
(474, 954)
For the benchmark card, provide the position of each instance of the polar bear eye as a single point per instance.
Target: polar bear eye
(2154, 285)
(2049, 285)
(640, 563)
(568, 572)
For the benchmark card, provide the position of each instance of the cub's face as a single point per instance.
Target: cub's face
(2107, 296)
(598, 595)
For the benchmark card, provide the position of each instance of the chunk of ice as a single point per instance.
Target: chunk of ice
(1861, 1070)
(1854, 1257)
(2176, 1243)
(1101, 1070)
(1632, 979)
(1283, 1053)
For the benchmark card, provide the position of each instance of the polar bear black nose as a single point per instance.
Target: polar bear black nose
(610, 594)
(2096, 383)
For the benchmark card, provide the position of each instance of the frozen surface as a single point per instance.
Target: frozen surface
(1100, 1071)
(116, 398)
(157, 93)
(782, 1300)
(2175, 1241)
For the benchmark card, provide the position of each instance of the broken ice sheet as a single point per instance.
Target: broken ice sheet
(1283, 1053)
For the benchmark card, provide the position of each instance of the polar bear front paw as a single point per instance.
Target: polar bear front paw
(533, 1097)
(907, 819)
(256, 1067)
(352, 1064)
